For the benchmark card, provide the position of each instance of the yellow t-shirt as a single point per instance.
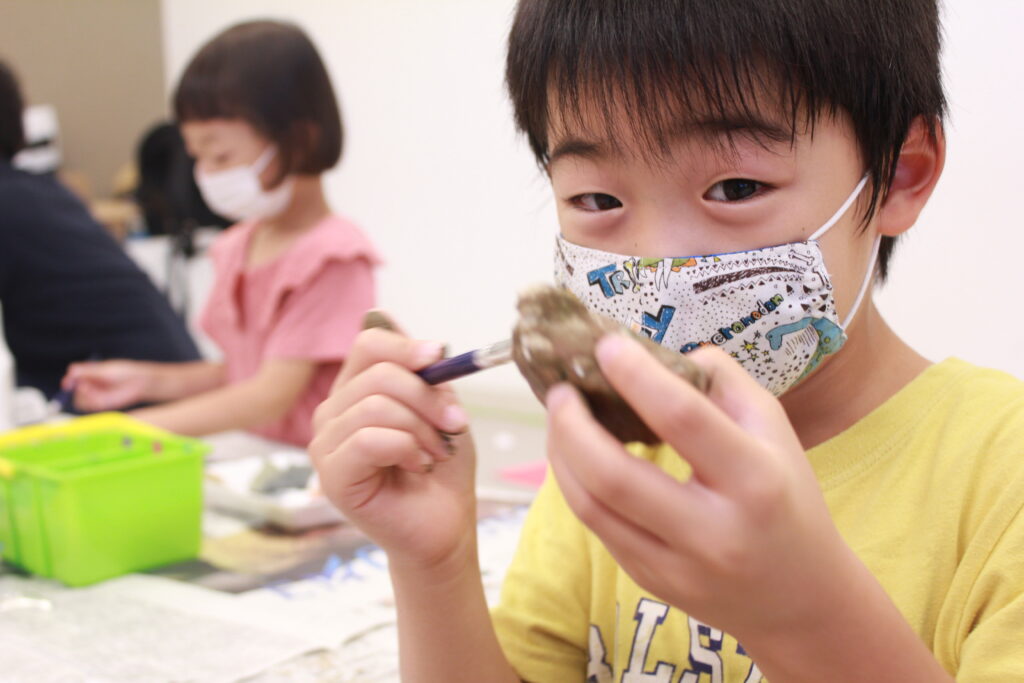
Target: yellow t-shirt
(928, 491)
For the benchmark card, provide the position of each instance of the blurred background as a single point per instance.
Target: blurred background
(435, 173)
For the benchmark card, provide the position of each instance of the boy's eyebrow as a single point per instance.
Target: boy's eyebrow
(731, 124)
(577, 147)
(709, 127)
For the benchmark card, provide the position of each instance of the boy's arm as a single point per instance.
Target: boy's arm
(747, 543)
(858, 634)
(387, 459)
(444, 627)
(261, 399)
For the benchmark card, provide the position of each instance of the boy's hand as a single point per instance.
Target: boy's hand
(383, 460)
(747, 544)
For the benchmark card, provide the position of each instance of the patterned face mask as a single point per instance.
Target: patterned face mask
(771, 309)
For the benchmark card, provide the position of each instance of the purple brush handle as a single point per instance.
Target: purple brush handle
(450, 368)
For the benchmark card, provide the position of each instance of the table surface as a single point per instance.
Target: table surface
(243, 559)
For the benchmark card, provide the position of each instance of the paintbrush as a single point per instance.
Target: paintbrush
(447, 369)
(467, 363)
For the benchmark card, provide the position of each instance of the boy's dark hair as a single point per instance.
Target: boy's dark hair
(660, 62)
(269, 74)
(12, 134)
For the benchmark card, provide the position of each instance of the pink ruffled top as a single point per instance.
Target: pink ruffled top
(306, 303)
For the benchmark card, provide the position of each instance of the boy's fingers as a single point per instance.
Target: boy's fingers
(715, 446)
(635, 489)
(623, 538)
(732, 389)
(752, 407)
(378, 411)
(362, 456)
(377, 346)
(386, 378)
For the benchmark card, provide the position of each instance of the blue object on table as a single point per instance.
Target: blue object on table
(63, 401)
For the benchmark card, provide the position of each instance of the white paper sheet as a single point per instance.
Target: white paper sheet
(353, 604)
(137, 628)
(338, 626)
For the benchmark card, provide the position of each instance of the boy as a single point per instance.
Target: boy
(862, 526)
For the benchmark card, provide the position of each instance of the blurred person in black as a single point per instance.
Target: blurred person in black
(67, 290)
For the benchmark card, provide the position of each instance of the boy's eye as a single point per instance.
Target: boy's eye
(734, 190)
(595, 201)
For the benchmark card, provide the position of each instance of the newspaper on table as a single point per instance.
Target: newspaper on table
(138, 628)
(352, 603)
(337, 625)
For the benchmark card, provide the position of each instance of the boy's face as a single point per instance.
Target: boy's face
(710, 194)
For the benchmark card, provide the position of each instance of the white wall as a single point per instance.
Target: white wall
(959, 272)
(432, 168)
(434, 171)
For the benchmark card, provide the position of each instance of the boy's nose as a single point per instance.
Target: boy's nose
(668, 231)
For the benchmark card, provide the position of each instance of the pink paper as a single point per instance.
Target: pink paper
(531, 474)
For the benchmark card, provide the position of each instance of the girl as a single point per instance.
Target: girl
(258, 113)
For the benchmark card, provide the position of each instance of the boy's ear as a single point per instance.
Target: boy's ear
(917, 171)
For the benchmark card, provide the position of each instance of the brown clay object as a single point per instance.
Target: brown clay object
(553, 342)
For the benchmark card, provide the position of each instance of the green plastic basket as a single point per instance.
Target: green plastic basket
(97, 497)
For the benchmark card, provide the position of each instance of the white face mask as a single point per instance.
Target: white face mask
(238, 194)
(771, 309)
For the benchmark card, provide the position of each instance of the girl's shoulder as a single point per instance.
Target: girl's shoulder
(230, 245)
(336, 238)
(334, 241)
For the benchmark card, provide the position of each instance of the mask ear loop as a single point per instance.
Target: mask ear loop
(264, 159)
(842, 210)
(870, 276)
(864, 286)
